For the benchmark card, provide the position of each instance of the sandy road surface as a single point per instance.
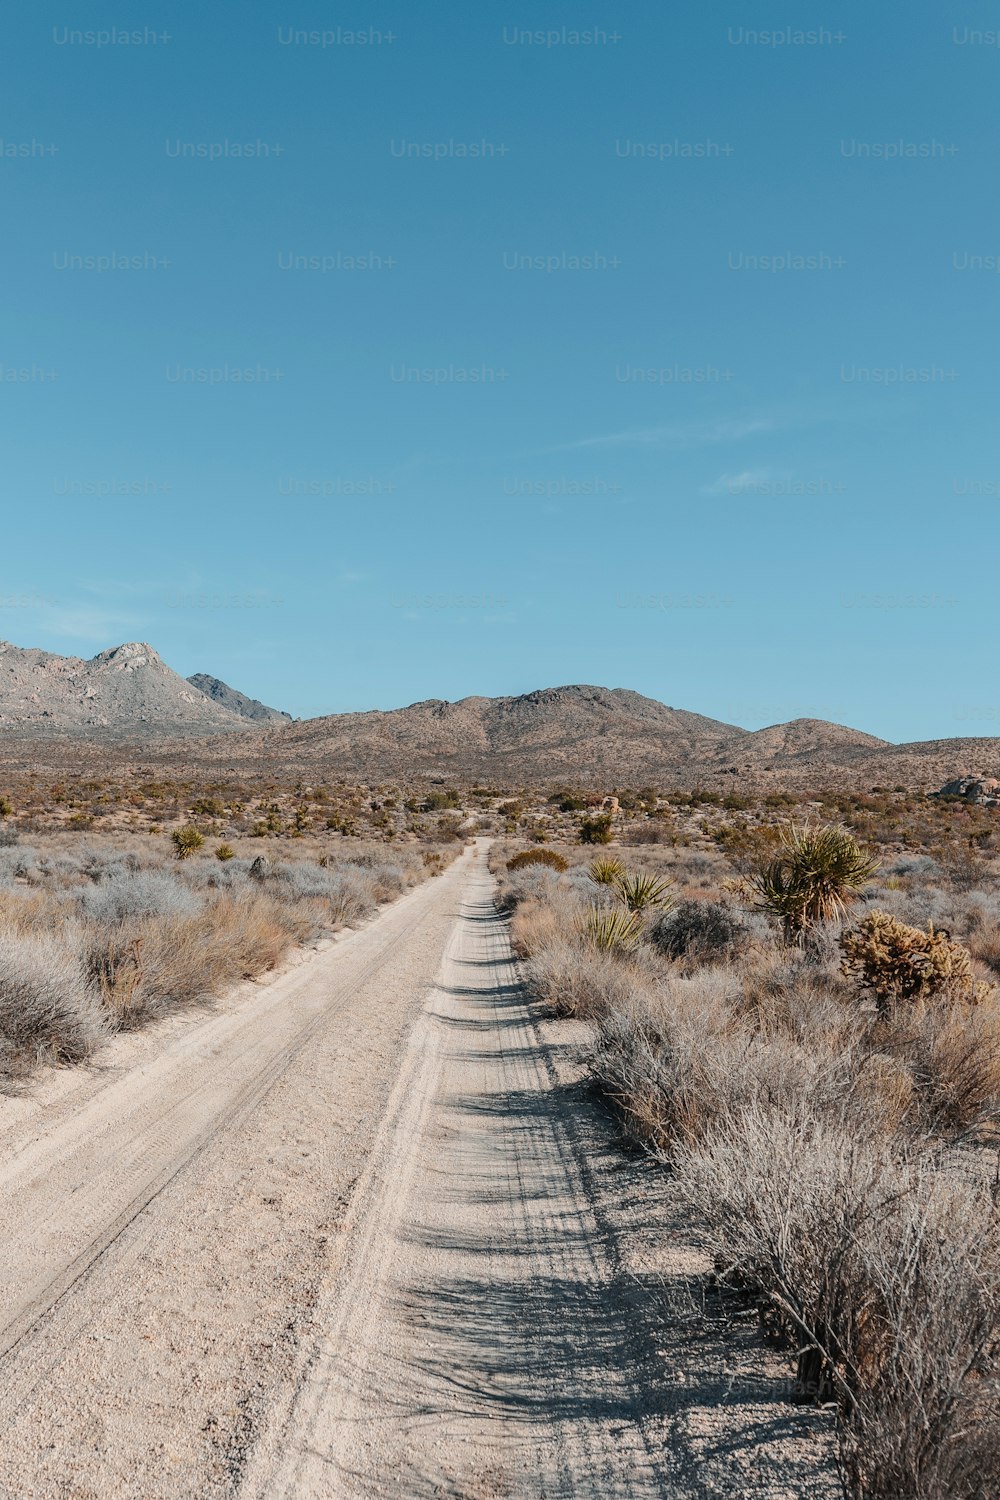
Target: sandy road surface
(363, 1234)
(500, 1325)
(165, 1219)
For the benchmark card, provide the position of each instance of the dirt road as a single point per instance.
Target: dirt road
(357, 1234)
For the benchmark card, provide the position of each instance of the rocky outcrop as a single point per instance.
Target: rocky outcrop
(984, 790)
(238, 703)
(126, 692)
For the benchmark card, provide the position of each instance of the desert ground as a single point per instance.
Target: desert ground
(401, 1142)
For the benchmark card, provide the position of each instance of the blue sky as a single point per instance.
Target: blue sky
(661, 356)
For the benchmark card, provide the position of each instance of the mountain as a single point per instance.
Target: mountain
(565, 732)
(238, 703)
(577, 734)
(126, 706)
(126, 692)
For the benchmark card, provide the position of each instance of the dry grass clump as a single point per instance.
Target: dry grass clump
(94, 941)
(574, 980)
(884, 1274)
(47, 1011)
(152, 966)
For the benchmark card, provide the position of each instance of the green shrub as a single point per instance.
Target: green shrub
(209, 807)
(596, 830)
(186, 841)
(547, 857)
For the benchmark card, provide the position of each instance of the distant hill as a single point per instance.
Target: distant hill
(806, 738)
(126, 706)
(125, 692)
(238, 703)
(555, 732)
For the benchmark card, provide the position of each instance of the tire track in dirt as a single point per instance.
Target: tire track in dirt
(481, 1340)
(69, 1191)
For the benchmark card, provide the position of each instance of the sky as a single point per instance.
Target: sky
(364, 353)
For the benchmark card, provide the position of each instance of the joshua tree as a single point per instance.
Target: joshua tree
(815, 875)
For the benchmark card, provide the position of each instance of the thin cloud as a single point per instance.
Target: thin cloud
(737, 484)
(673, 436)
(90, 626)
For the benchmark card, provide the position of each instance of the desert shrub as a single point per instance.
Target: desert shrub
(816, 874)
(606, 871)
(575, 981)
(387, 880)
(897, 963)
(347, 891)
(17, 863)
(596, 830)
(186, 841)
(884, 1275)
(653, 831)
(148, 893)
(611, 929)
(679, 1055)
(547, 857)
(47, 1013)
(950, 1052)
(910, 866)
(581, 884)
(701, 931)
(640, 893)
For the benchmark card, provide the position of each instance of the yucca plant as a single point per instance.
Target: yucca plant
(606, 871)
(186, 841)
(639, 893)
(815, 876)
(611, 929)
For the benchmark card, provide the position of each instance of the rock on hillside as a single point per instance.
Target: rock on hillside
(984, 790)
(127, 692)
(238, 703)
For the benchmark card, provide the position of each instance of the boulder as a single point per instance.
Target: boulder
(984, 790)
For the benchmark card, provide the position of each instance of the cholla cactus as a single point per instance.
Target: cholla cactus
(896, 962)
